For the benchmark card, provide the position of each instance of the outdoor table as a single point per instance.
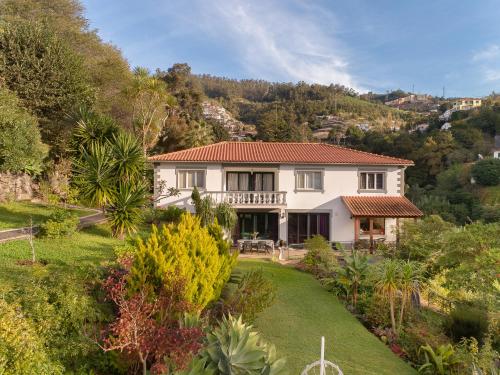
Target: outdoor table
(269, 243)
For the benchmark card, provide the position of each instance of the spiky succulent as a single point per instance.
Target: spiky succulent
(235, 348)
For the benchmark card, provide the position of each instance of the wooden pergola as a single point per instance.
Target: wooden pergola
(372, 207)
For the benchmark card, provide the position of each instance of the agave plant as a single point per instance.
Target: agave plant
(234, 348)
(124, 212)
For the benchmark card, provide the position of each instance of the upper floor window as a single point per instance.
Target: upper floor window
(371, 180)
(246, 181)
(188, 179)
(309, 180)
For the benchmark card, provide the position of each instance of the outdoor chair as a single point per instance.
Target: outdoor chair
(247, 246)
(262, 246)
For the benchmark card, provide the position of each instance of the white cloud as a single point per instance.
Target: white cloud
(296, 42)
(492, 75)
(488, 53)
(487, 61)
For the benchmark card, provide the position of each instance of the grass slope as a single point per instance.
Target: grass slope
(17, 214)
(89, 247)
(303, 312)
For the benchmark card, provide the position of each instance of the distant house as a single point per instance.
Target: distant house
(408, 99)
(446, 115)
(364, 127)
(466, 104)
(446, 126)
(496, 147)
(420, 128)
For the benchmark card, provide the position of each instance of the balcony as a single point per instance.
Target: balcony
(247, 199)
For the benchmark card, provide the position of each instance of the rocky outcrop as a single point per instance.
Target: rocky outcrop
(18, 186)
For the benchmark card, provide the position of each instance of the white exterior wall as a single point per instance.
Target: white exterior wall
(337, 181)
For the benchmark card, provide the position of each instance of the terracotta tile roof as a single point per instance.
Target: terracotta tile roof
(278, 153)
(381, 206)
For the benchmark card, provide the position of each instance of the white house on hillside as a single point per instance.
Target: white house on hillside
(292, 191)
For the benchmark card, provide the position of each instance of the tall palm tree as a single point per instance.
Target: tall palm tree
(152, 105)
(410, 280)
(387, 285)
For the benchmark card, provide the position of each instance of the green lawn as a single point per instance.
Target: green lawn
(303, 312)
(90, 246)
(17, 214)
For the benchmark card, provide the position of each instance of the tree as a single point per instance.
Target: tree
(93, 175)
(387, 286)
(278, 124)
(353, 274)
(108, 71)
(91, 128)
(124, 211)
(487, 172)
(144, 329)
(410, 283)
(21, 149)
(46, 75)
(151, 107)
(182, 254)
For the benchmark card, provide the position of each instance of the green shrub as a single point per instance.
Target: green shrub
(171, 214)
(61, 223)
(467, 321)
(21, 148)
(486, 172)
(441, 361)
(319, 259)
(64, 318)
(252, 295)
(183, 253)
(22, 352)
(236, 348)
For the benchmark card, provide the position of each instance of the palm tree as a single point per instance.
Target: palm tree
(93, 128)
(353, 274)
(93, 173)
(128, 158)
(411, 277)
(387, 285)
(152, 105)
(125, 209)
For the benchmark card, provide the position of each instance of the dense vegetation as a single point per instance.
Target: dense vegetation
(77, 118)
(433, 298)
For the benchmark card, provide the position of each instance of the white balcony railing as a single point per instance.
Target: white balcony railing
(250, 198)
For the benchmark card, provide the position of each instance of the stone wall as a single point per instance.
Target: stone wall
(16, 187)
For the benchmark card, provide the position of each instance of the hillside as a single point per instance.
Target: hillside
(311, 111)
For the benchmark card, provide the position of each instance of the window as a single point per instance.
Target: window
(309, 180)
(371, 180)
(302, 226)
(188, 179)
(378, 225)
(245, 181)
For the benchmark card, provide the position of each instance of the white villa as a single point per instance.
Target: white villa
(292, 191)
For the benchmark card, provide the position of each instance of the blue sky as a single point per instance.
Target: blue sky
(375, 45)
